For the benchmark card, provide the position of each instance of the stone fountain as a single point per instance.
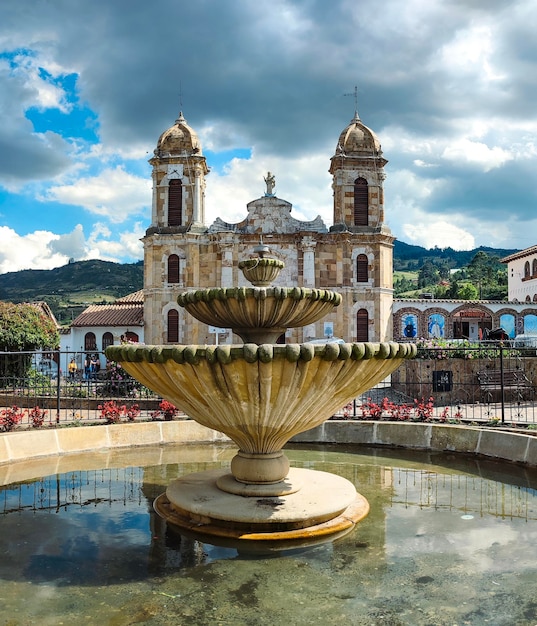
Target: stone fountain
(260, 394)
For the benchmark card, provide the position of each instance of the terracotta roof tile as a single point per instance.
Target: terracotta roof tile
(111, 315)
(131, 298)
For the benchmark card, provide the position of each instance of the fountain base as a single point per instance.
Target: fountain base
(322, 506)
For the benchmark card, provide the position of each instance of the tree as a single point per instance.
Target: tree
(428, 275)
(467, 292)
(23, 327)
(488, 275)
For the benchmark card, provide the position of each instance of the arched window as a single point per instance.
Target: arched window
(173, 268)
(131, 337)
(108, 340)
(173, 326)
(90, 341)
(175, 202)
(534, 268)
(361, 268)
(361, 202)
(362, 325)
(527, 269)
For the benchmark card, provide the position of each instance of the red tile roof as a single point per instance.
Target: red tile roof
(132, 298)
(126, 311)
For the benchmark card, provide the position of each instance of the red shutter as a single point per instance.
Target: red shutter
(175, 203)
(108, 340)
(361, 202)
(173, 326)
(362, 325)
(173, 268)
(361, 268)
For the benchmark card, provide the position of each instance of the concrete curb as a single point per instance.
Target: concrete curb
(492, 443)
(488, 442)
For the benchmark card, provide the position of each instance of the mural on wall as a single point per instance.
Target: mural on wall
(530, 324)
(507, 322)
(435, 326)
(410, 326)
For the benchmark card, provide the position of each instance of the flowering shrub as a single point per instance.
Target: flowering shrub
(9, 418)
(37, 417)
(113, 413)
(166, 409)
(420, 411)
(132, 412)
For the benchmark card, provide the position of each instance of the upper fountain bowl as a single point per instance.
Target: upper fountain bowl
(261, 272)
(259, 314)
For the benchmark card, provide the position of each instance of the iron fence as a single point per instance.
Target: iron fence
(489, 382)
(69, 387)
(486, 383)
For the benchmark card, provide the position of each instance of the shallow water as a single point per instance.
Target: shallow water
(449, 540)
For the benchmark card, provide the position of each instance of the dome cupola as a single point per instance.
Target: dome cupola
(357, 169)
(358, 140)
(178, 140)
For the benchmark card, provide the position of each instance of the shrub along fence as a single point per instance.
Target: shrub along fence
(460, 381)
(35, 390)
(488, 382)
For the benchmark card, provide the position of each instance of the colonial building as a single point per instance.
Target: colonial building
(102, 325)
(522, 275)
(456, 319)
(352, 256)
(461, 319)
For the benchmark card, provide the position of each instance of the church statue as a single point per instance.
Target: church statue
(270, 182)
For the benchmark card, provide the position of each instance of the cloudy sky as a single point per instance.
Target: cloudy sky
(86, 88)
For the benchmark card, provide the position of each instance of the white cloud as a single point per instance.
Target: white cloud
(113, 193)
(31, 251)
(46, 250)
(471, 52)
(476, 153)
(48, 95)
(125, 247)
(437, 233)
(304, 182)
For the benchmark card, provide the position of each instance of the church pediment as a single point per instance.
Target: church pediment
(270, 214)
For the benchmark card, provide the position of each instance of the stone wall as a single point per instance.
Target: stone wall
(416, 378)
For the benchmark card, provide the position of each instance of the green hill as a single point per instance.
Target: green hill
(70, 288)
(409, 257)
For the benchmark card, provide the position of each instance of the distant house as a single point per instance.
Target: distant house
(102, 325)
(522, 275)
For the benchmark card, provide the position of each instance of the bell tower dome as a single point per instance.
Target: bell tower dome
(179, 170)
(357, 168)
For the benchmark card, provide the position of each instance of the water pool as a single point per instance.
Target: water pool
(449, 540)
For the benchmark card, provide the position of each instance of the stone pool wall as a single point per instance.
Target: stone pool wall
(488, 442)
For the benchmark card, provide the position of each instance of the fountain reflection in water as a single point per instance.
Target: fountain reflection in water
(447, 542)
(260, 395)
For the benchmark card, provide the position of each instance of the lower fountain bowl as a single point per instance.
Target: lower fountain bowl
(261, 396)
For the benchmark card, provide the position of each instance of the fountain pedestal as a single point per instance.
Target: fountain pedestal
(324, 505)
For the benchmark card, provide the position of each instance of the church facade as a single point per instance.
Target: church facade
(353, 256)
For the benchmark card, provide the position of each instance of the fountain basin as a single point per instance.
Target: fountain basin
(261, 272)
(259, 314)
(261, 396)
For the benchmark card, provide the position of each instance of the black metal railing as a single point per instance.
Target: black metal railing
(486, 382)
(68, 387)
(489, 382)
